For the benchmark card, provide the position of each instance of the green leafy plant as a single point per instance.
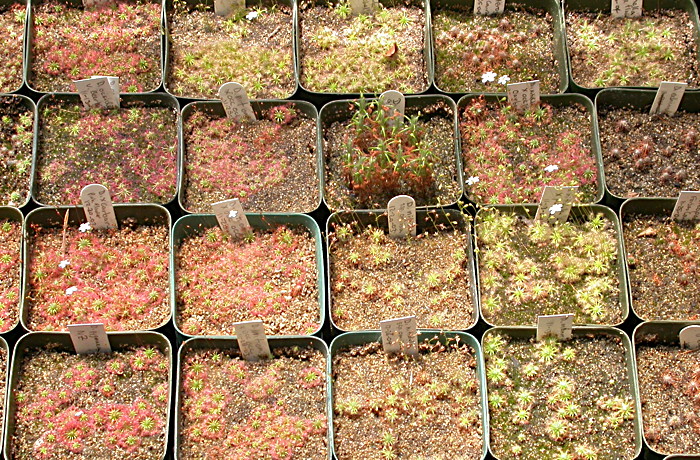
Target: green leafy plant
(12, 19)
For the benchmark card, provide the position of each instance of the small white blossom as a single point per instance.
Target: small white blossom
(63, 263)
(86, 227)
(555, 208)
(503, 79)
(472, 180)
(233, 214)
(488, 77)
(71, 290)
(551, 168)
(252, 15)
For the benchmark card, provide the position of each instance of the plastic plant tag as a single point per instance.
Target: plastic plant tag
(559, 326)
(366, 7)
(687, 207)
(89, 338)
(231, 218)
(236, 102)
(113, 83)
(226, 7)
(98, 206)
(395, 102)
(668, 98)
(399, 335)
(252, 340)
(97, 93)
(522, 96)
(690, 337)
(555, 203)
(626, 8)
(401, 212)
(488, 7)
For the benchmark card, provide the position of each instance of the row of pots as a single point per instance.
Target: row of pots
(68, 270)
(189, 376)
(555, 9)
(172, 169)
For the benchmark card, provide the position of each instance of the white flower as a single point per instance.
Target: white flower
(503, 79)
(488, 77)
(71, 290)
(472, 180)
(63, 263)
(85, 227)
(555, 208)
(252, 15)
(233, 214)
(552, 168)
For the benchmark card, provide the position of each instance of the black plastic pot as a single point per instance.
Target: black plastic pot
(216, 110)
(29, 105)
(550, 6)
(21, 71)
(13, 214)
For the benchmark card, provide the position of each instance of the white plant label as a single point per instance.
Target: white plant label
(227, 7)
(668, 98)
(236, 102)
(687, 207)
(488, 7)
(522, 96)
(395, 102)
(690, 337)
(399, 335)
(96, 93)
(231, 217)
(556, 202)
(252, 340)
(402, 216)
(366, 7)
(99, 210)
(626, 8)
(559, 326)
(113, 83)
(89, 338)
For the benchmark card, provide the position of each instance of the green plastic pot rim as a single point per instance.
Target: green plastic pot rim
(197, 343)
(123, 211)
(258, 106)
(556, 100)
(364, 337)
(356, 216)
(622, 275)
(256, 222)
(40, 339)
(523, 332)
(163, 100)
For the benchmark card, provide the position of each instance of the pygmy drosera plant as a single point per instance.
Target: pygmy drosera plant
(16, 135)
(12, 19)
(91, 406)
(509, 157)
(268, 164)
(274, 408)
(252, 47)
(120, 39)
(532, 267)
(80, 275)
(132, 151)
(269, 275)
(10, 270)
